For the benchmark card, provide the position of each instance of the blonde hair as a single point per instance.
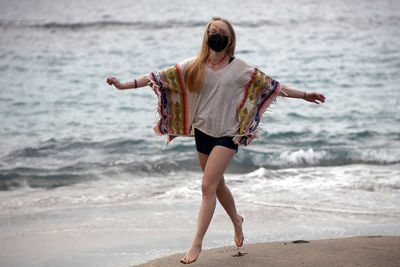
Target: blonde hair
(194, 73)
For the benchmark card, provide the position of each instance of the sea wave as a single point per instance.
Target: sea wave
(65, 162)
(185, 186)
(99, 24)
(174, 23)
(322, 157)
(38, 178)
(111, 23)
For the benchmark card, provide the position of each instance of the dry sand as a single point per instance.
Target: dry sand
(353, 251)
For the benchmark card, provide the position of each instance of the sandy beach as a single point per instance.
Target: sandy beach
(352, 251)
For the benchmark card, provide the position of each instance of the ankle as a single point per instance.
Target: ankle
(237, 220)
(197, 244)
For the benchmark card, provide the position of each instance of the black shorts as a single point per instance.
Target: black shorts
(205, 143)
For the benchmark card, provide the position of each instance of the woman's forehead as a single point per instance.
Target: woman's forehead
(219, 25)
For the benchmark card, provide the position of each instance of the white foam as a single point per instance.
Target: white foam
(299, 157)
(313, 185)
(382, 155)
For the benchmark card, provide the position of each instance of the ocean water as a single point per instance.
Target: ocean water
(83, 179)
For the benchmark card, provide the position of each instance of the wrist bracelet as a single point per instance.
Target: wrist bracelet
(135, 83)
(304, 96)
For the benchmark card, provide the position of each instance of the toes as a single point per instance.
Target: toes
(187, 260)
(239, 241)
(190, 261)
(183, 260)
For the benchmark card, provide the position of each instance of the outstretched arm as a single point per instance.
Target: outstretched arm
(308, 96)
(140, 82)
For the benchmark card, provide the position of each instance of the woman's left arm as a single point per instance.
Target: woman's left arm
(308, 96)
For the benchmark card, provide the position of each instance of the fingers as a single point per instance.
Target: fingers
(321, 98)
(112, 81)
(317, 97)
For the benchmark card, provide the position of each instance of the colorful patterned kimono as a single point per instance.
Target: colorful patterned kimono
(174, 106)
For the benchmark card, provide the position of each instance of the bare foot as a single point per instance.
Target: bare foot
(191, 255)
(238, 231)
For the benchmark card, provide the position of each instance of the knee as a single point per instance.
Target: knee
(220, 188)
(208, 190)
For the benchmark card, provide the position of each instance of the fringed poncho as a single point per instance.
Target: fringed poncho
(230, 102)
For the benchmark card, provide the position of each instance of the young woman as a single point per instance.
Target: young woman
(220, 100)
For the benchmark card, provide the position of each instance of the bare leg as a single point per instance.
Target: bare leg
(227, 201)
(215, 167)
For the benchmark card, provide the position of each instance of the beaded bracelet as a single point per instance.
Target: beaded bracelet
(135, 83)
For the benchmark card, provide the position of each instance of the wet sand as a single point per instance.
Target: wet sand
(352, 251)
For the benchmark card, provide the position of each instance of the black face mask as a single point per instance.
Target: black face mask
(217, 42)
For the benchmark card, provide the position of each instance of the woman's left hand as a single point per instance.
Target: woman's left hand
(314, 97)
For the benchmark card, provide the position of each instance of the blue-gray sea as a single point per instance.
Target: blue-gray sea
(83, 179)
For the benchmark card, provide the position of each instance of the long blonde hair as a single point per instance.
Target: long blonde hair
(194, 73)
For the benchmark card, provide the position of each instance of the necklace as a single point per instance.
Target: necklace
(212, 65)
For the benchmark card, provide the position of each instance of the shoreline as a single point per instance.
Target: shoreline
(351, 251)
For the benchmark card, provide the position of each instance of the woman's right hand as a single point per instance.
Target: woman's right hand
(114, 81)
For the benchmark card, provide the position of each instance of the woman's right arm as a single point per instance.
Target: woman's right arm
(143, 80)
(140, 82)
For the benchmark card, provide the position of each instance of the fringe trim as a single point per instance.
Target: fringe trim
(157, 111)
(152, 82)
(254, 134)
